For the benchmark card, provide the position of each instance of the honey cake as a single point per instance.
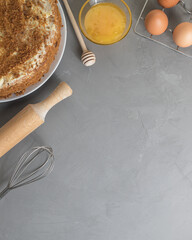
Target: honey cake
(30, 32)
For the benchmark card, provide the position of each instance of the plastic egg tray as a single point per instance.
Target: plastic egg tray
(182, 12)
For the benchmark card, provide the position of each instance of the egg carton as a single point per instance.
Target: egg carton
(182, 12)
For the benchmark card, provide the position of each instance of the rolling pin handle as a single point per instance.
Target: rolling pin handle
(61, 92)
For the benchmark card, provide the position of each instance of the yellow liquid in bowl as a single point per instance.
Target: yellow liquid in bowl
(105, 23)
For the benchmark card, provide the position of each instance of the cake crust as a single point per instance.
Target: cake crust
(29, 40)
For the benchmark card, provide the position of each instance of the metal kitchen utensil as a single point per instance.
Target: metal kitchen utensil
(25, 174)
(179, 13)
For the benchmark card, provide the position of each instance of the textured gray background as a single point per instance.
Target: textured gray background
(123, 148)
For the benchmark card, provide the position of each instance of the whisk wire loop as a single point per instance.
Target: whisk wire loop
(18, 177)
(22, 165)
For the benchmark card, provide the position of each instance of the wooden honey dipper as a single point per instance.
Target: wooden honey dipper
(30, 118)
(88, 58)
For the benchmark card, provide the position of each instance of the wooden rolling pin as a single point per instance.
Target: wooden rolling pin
(30, 118)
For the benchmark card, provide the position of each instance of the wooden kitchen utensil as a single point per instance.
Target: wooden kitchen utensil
(88, 58)
(30, 118)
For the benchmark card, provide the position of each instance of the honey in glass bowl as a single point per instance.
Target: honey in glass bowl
(105, 22)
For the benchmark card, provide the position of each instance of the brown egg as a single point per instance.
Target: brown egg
(182, 35)
(168, 3)
(156, 22)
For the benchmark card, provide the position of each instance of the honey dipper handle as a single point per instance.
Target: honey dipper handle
(61, 92)
(75, 26)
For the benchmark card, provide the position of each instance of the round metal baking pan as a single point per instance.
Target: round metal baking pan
(54, 64)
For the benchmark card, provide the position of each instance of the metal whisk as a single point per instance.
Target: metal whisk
(23, 174)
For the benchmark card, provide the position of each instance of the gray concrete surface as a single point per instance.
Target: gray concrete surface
(123, 148)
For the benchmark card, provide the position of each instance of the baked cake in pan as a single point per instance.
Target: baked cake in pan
(29, 40)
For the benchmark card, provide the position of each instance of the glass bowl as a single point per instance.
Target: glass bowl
(90, 3)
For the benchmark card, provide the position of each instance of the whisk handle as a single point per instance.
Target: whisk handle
(4, 192)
